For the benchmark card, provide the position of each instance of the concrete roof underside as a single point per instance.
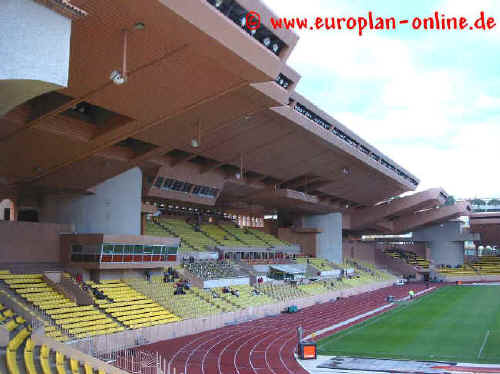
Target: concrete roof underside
(192, 72)
(404, 214)
(487, 225)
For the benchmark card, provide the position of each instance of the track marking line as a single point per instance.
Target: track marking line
(364, 315)
(484, 343)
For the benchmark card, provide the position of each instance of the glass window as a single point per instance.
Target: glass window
(196, 190)
(177, 185)
(107, 248)
(118, 248)
(157, 250)
(205, 191)
(148, 250)
(159, 182)
(76, 248)
(187, 187)
(168, 183)
(138, 249)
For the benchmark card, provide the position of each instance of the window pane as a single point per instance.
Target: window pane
(107, 248)
(159, 182)
(177, 185)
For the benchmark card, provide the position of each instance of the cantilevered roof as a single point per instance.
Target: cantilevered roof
(192, 72)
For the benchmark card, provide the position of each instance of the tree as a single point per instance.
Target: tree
(450, 200)
(478, 202)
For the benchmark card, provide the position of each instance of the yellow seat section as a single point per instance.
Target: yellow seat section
(75, 366)
(41, 296)
(29, 359)
(129, 306)
(44, 360)
(11, 352)
(60, 363)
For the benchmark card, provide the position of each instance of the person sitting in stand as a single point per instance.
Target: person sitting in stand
(179, 291)
(187, 285)
(215, 295)
(225, 289)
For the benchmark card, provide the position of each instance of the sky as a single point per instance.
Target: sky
(430, 100)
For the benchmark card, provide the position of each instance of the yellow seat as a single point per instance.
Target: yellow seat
(88, 369)
(29, 360)
(75, 366)
(60, 363)
(44, 360)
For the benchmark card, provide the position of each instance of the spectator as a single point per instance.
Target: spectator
(79, 278)
(165, 277)
(179, 291)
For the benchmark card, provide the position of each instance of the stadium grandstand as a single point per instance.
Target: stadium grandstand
(166, 194)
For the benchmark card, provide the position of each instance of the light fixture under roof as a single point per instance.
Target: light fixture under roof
(218, 3)
(267, 41)
(346, 171)
(275, 47)
(243, 21)
(139, 26)
(195, 143)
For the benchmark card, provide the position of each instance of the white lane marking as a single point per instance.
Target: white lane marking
(361, 316)
(484, 343)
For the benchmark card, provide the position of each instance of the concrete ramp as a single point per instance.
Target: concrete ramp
(67, 287)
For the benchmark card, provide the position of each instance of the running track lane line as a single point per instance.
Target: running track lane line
(361, 316)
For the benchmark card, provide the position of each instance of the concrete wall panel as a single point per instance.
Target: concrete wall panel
(115, 208)
(329, 241)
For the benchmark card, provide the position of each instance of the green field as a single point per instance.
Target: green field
(455, 323)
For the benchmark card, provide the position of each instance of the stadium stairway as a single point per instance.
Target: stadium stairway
(269, 239)
(195, 240)
(221, 236)
(190, 305)
(247, 239)
(23, 356)
(128, 306)
(64, 317)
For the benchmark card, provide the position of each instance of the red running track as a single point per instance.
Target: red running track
(265, 346)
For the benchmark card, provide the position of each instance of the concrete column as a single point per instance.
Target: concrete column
(115, 208)
(329, 241)
(447, 253)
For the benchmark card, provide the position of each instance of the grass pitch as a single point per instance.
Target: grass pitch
(455, 323)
